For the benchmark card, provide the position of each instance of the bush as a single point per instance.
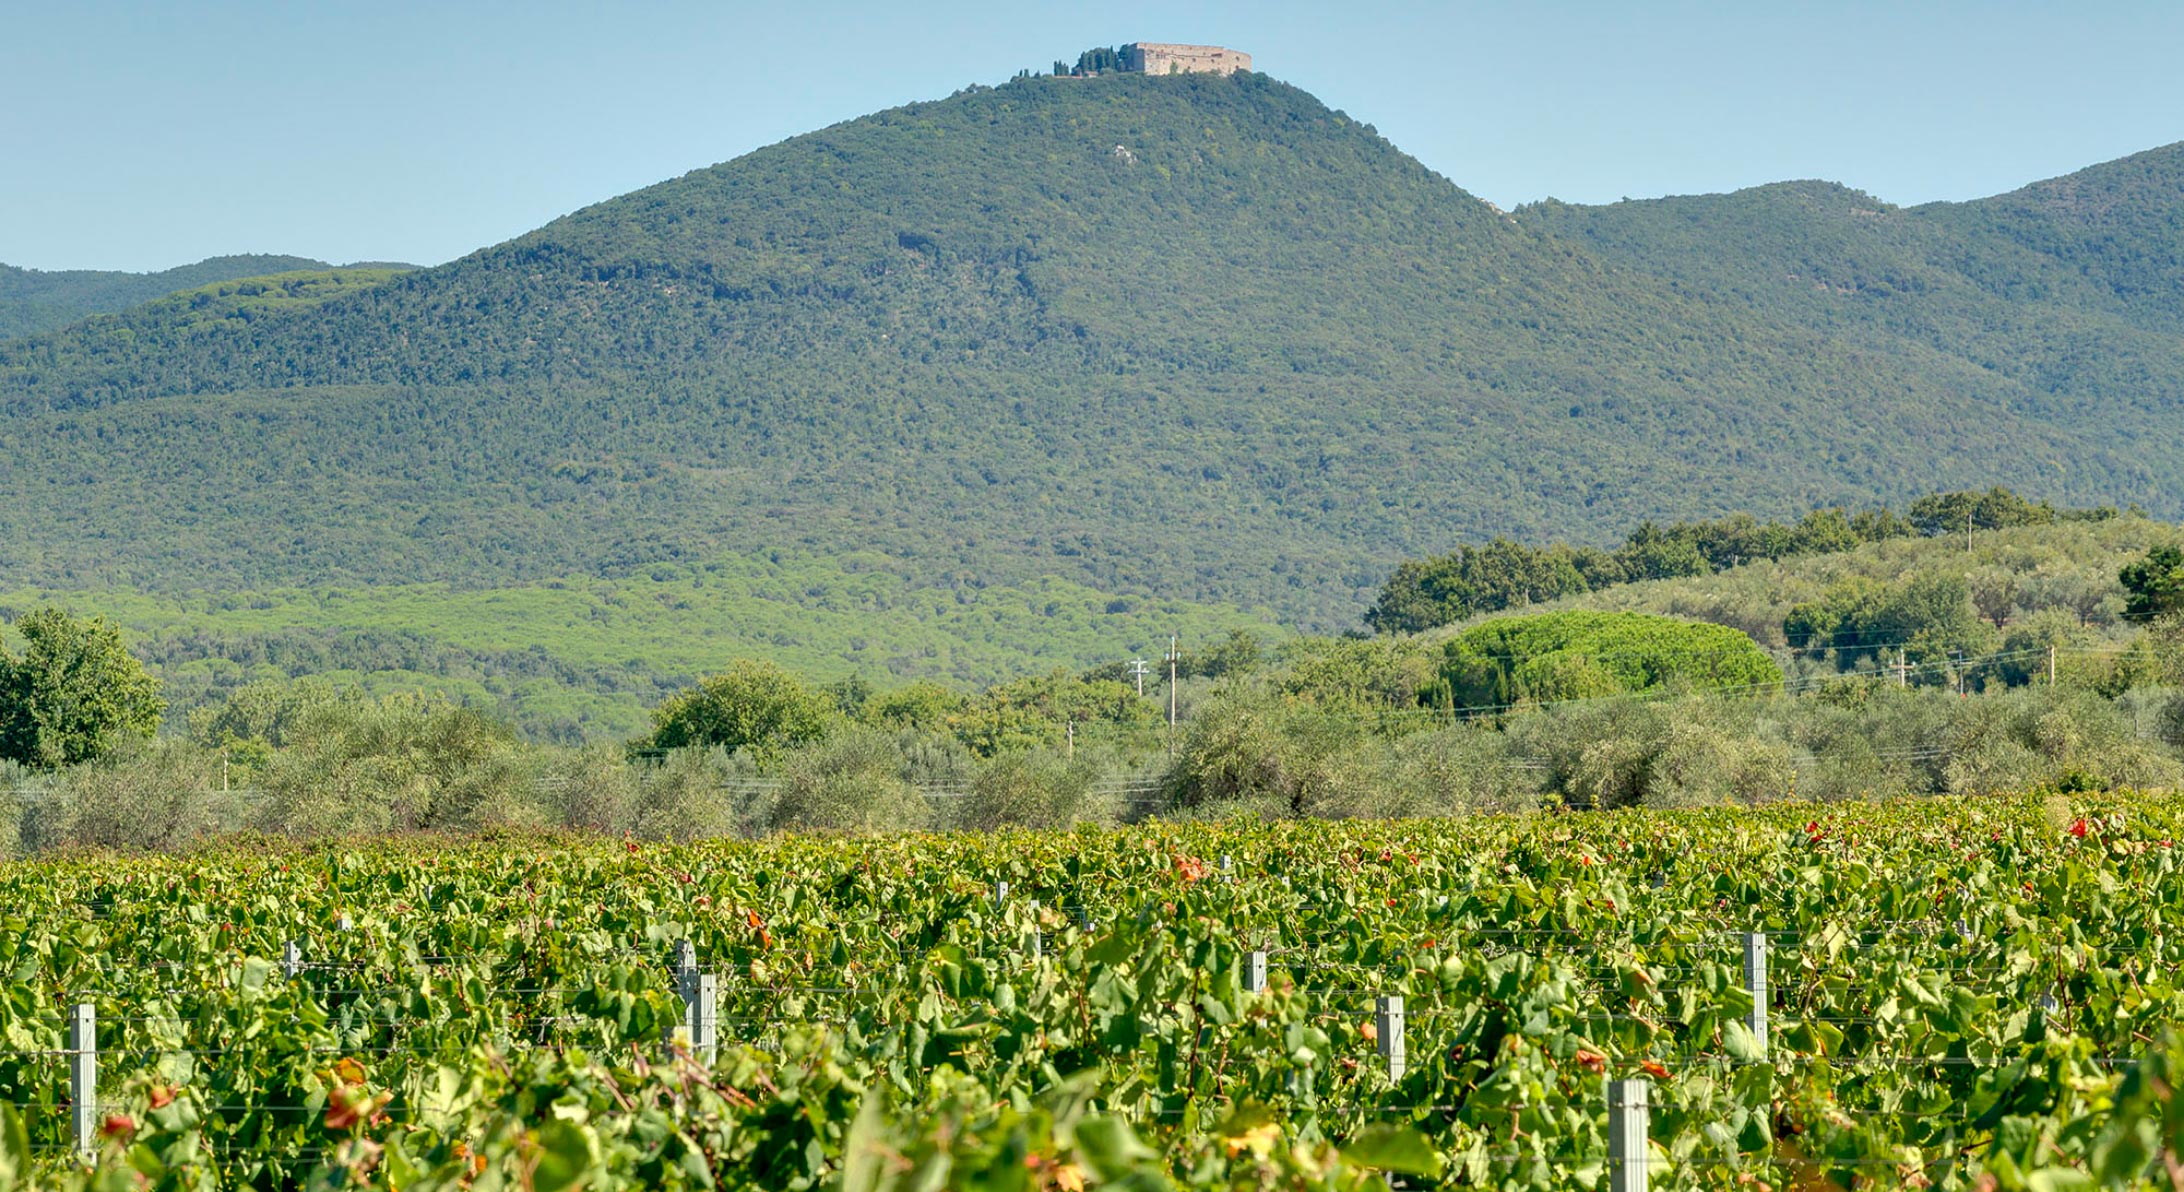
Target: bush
(1929, 618)
(924, 705)
(1584, 655)
(594, 789)
(1247, 752)
(1462, 768)
(752, 705)
(696, 794)
(161, 795)
(1704, 765)
(257, 718)
(1030, 790)
(851, 782)
(398, 764)
(21, 791)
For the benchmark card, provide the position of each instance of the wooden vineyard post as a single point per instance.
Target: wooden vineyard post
(83, 1075)
(1629, 1122)
(1755, 980)
(1388, 1024)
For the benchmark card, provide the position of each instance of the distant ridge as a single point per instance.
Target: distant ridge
(33, 300)
(1189, 335)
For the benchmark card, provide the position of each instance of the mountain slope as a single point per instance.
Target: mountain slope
(1192, 336)
(33, 300)
(2066, 291)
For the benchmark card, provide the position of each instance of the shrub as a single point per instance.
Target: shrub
(160, 795)
(257, 718)
(851, 782)
(1031, 790)
(1704, 765)
(1582, 655)
(752, 705)
(1277, 758)
(1929, 618)
(1461, 768)
(397, 764)
(593, 789)
(696, 794)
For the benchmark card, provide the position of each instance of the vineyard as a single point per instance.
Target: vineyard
(1946, 993)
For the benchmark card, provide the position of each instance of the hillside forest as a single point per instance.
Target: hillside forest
(1188, 338)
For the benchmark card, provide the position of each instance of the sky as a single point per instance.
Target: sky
(144, 135)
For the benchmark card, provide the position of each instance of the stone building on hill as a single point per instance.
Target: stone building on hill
(1160, 58)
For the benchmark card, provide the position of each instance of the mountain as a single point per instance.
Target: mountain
(2065, 292)
(32, 300)
(1196, 337)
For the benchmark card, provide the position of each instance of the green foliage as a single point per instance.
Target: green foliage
(74, 695)
(1925, 619)
(1028, 789)
(1194, 336)
(502, 1014)
(397, 764)
(157, 795)
(1995, 509)
(752, 705)
(1425, 593)
(2156, 584)
(573, 659)
(32, 301)
(1038, 711)
(1551, 657)
(851, 782)
(1447, 589)
(1099, 60)
(1353, 676)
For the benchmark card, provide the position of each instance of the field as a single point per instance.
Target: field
(1956, 992)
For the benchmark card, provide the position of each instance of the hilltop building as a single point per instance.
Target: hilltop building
(1160, 58)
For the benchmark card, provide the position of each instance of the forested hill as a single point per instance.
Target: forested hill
(33, 300)
(1194, 336)
(2066, 291)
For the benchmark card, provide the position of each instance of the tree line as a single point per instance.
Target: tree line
(1501, 574)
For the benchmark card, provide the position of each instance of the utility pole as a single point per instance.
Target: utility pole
(1175, 655)
(1903, 669)
(1072, 738)
(1967, 531)
(2051, 664)
(1138, 671)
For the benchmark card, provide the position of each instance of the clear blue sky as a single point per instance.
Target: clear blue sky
(144, 135)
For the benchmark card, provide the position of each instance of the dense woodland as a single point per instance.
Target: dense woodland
(1445, 589)
(1192, 336)
(33, 300)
